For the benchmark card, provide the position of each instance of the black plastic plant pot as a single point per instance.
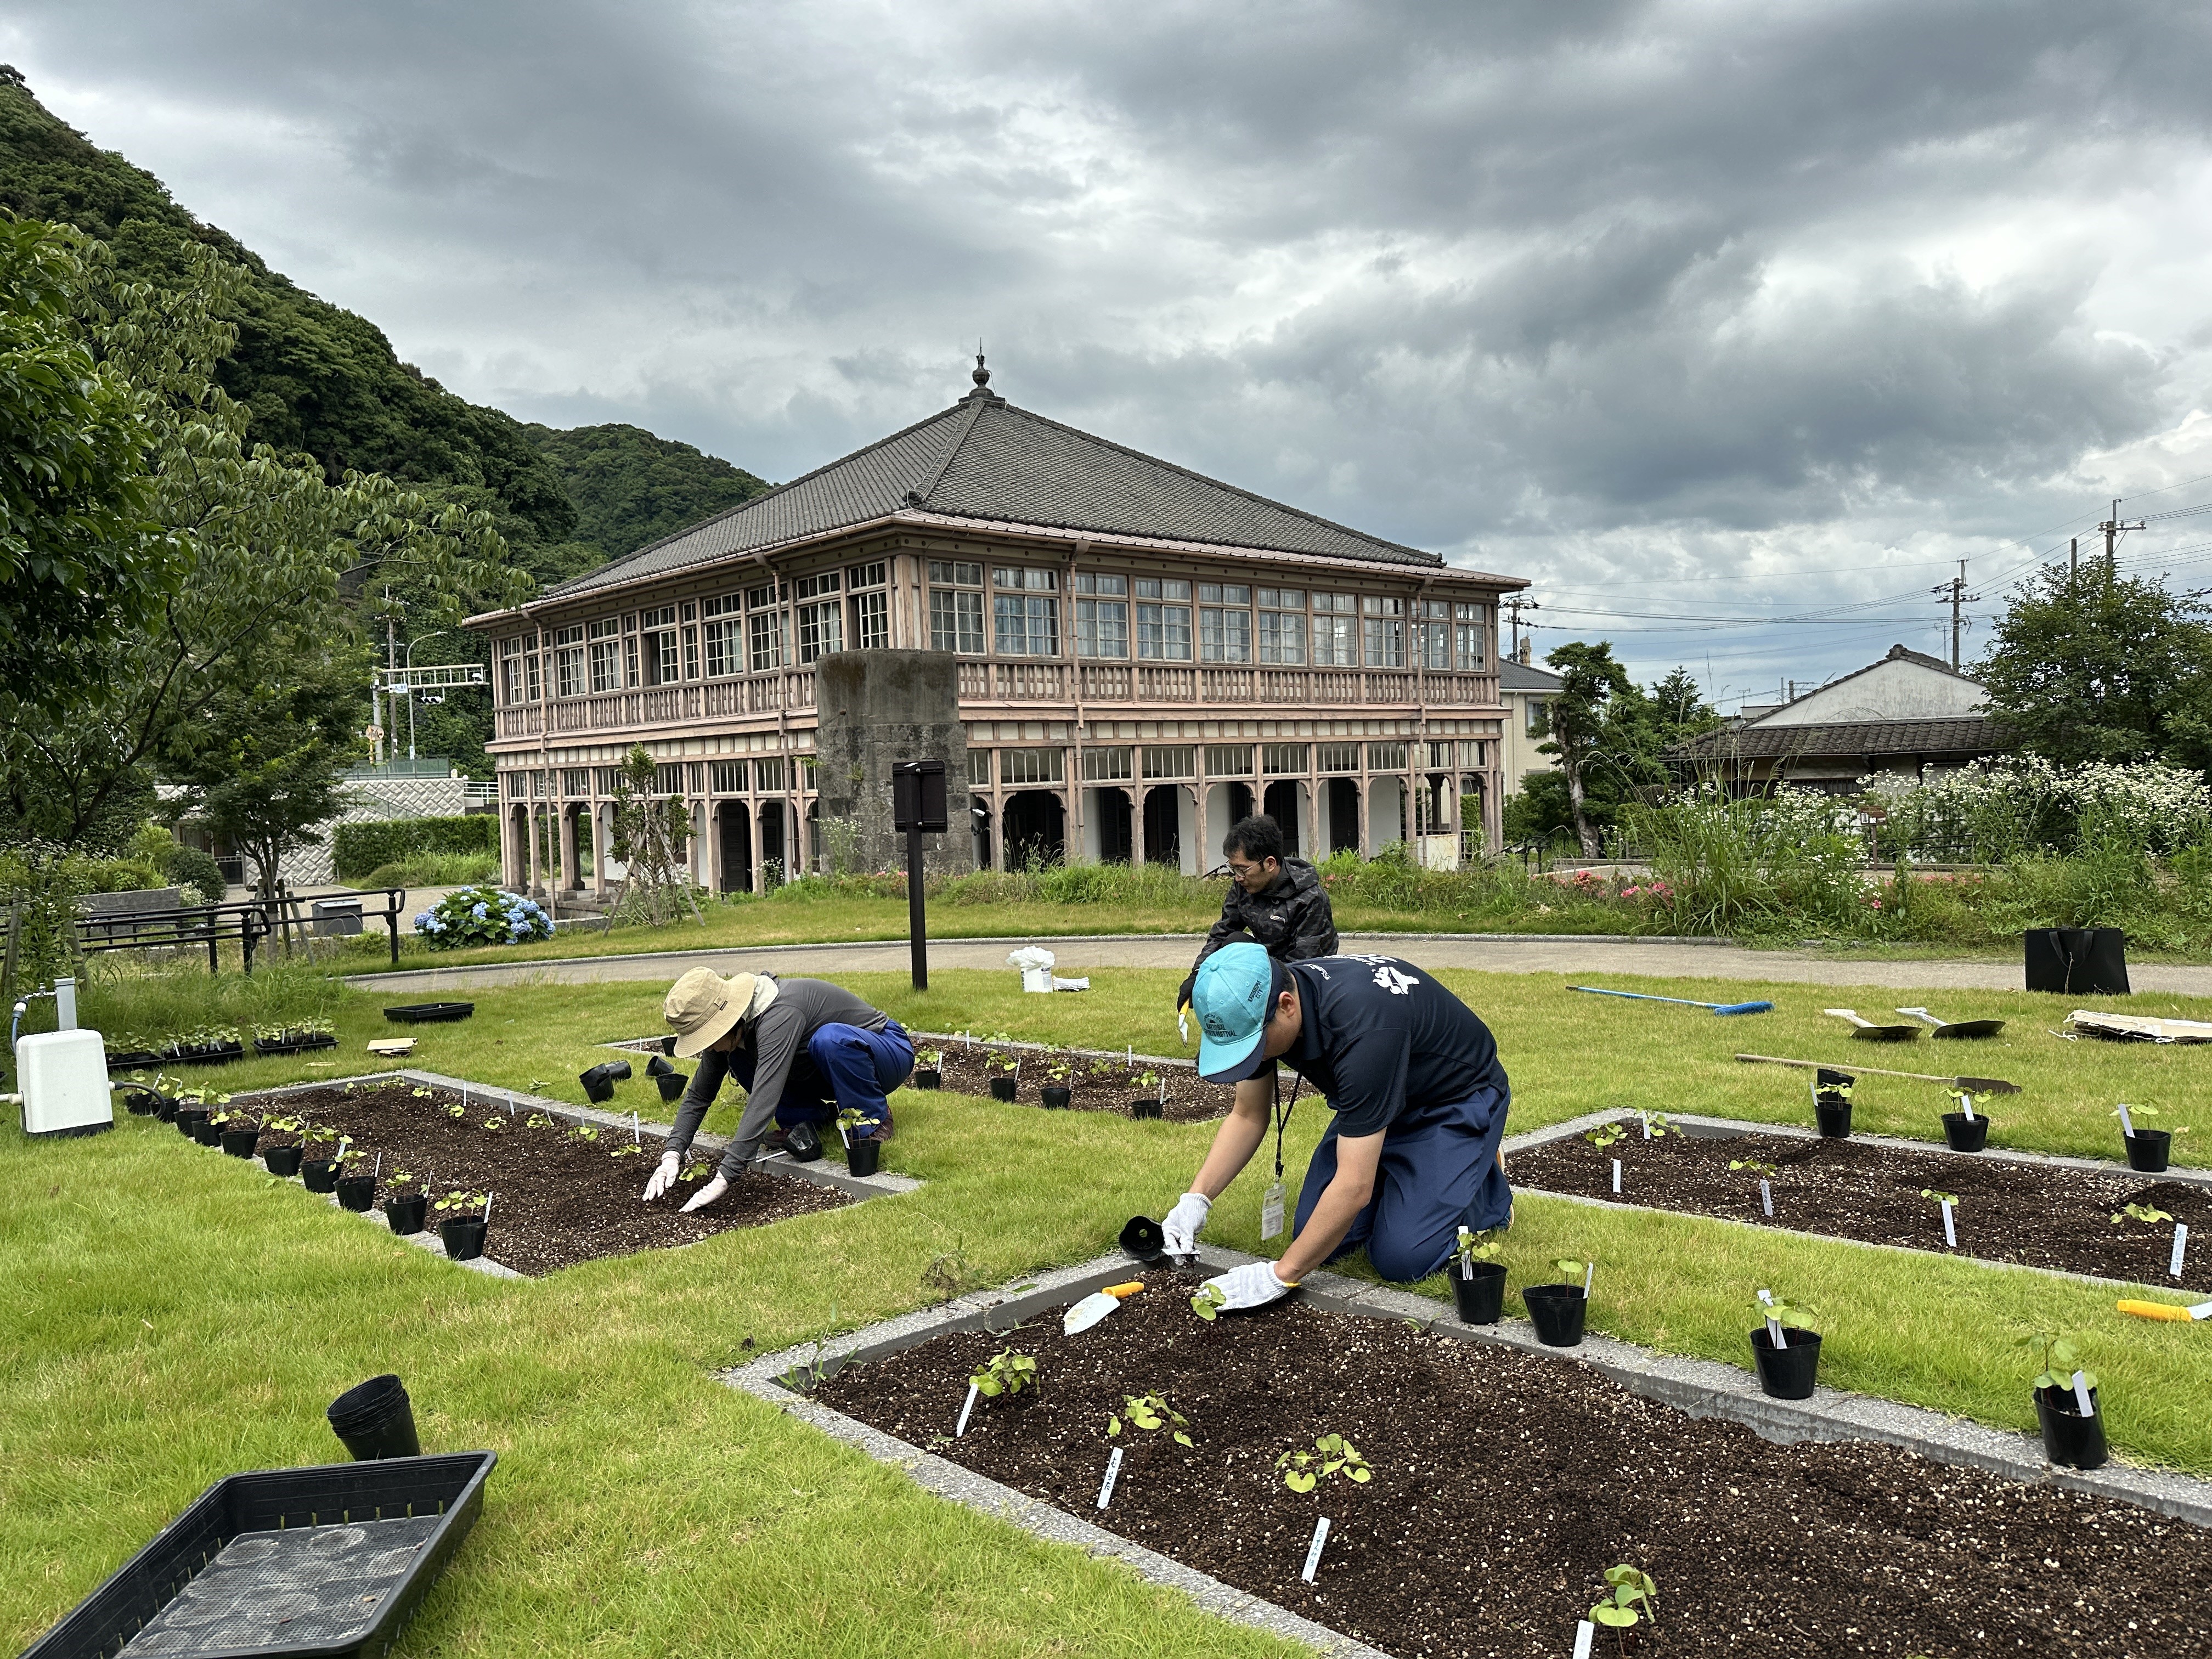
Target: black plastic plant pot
(1965, 1134)
(928, 1077)
(599, 1081)
(1834, 1122)
(281, 1160)
(659, 1066)
(320, 1174)
(668, 1045)
(1144, 1106)
(186, 1117)
(1479, 1289)
(1002, 1088)
(406, 1215)
(165, 1108)
(427, 1013)
(863, 1156)
(356, 1193)
(1055, 1097)
(2071, 1439)
(463, 1236)
(207, 1132)
(1557, 1312)
(1786, 1373)
(803, 1143)
(673, 1085)
(239, 1143)
(136, 1060)
(2147, 1150)
(375, 1419)
(1143, 1238)
(141, 1102)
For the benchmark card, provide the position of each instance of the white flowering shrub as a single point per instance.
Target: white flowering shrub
(2002, 807)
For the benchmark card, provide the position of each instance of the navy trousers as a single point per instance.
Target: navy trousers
(845, 1067)
(1438, 1173)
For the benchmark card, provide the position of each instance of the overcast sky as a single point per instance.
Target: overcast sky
(1692, 313)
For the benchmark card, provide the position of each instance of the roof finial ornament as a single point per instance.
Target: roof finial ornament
(981, 375)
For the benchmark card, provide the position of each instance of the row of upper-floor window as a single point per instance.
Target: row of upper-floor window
(1116, 617)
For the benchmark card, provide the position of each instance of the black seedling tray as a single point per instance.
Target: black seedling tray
(321, 1563)
(424, 1013)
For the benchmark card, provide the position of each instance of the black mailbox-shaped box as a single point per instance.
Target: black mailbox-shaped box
(918, 797)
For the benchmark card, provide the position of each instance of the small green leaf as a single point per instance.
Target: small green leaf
(1182, 1439)
(1361, 1474)
(1298, 1480)
(1618, 1618)
(1113, 1426)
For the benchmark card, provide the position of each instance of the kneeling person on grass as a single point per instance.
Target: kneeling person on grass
(1419, 1096)
(802, 1050)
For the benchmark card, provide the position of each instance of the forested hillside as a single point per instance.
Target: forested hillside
(321, 380)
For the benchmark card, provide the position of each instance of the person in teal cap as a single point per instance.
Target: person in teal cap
(1419, 1096)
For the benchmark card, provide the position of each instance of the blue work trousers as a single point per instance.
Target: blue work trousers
(847, 1066)
(1438, 1173)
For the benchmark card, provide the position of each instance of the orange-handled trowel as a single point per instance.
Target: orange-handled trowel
(2167, 1310)
(1096, 1305)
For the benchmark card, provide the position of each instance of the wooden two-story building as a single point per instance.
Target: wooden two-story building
(1145, 655)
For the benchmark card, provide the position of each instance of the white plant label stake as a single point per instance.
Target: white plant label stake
(487, 1215)
(2127, 1123)
(1644, 1121)
(1773, 1325)
(378, 1172)
(1163, 1091)
(1271, 1212)
(1950, 1228)
(1313, 1550)
(2081, 1395)
(1966, 1105)
(1766, 1198)
(1589, 1277)
(961, 1427)
(1616, 1177)
(1113, 1474)
(1585, 1633)
(2180, 1249)
(636, 1138)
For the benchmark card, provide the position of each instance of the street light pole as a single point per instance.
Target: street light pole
(411, 644)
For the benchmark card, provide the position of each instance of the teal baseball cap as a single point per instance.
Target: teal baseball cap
(1233, 992)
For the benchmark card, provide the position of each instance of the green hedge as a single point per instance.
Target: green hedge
(358, 849)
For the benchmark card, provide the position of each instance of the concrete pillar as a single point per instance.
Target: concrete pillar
(1202, 835)
(530, 833)
(602, 817)
(570, 878)
(1367, 781)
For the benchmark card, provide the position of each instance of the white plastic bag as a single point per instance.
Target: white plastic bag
(1036, 964)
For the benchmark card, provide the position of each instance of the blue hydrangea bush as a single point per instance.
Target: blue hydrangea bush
(481, 915)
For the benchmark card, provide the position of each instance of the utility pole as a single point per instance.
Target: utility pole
(2112, 527)
(1955, 591)
(2073, 560)
(1516, 605)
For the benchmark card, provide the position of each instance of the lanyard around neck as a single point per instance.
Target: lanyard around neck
(1282, 1112)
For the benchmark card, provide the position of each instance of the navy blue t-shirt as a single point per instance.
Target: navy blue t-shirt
(1381, 1034)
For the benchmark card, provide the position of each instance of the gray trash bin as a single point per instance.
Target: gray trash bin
(337, 915)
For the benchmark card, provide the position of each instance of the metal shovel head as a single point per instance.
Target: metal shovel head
(1867, 1031)
(1969, 1028)
(1088, 1312)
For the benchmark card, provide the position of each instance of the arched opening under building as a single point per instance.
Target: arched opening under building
(1386, 812)
(978, 815)
(1343, 816)
(1471, 819)
(1163, 812)
(1281, 804)
(734, 827)
(1036, 829)
(815, 862)
(1109, 831)
(774, 870)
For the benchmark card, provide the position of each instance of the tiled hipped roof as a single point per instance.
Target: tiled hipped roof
(1972, 734)
(985, 459)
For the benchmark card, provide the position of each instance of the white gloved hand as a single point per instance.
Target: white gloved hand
(1252, 1285)
(1183, 1223)
(663, 1178)
(707, 1194)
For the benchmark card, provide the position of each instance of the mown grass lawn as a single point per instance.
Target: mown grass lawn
(173, 1315)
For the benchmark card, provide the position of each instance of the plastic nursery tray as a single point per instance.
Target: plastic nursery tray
(424, 1013)
(284, 1564)
(303, 1045)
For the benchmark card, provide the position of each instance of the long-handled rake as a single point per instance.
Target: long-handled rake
(1687, 1002)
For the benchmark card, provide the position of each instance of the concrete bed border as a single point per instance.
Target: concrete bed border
(1699, 1387)
(880, 1185)
(1721, 1128)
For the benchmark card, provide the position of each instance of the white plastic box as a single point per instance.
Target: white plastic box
(64, 1082)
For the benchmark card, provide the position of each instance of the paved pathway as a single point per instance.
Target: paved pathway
(1508, 954)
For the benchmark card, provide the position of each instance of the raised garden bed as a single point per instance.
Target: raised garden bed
(1505, 1484)
(2036, 1213)
(559, 1196)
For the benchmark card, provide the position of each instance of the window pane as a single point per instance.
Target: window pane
(1170, 761)
(1338, 758)
(767, 641)
(1386, 642)
(1023, 579)
(729, 777)
(1334, 644)
(1162, 631)
(1435, 644)
(1386, 756)
(956, 621)
(1102, 628)
(1466, 644)
(1279, 760)
(812, 587)
(821, 630)
(1106, 765)
(1089, 582)
(1018, 766)
(871, 620)
(1156, 588)
(606, 666)
(723, 649)
(1282, 636)
(979, 767)
(1225, 635)
(1228, 760)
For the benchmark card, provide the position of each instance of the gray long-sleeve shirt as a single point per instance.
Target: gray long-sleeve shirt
(772, 1043)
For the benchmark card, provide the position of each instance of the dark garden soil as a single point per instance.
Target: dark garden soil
(1097, 1085)
(558, 1198)
(2029, 1213)
(1506, 1483)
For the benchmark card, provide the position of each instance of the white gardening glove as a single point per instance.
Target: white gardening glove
(1252, 1285)
(707, 1194)
(1183, 1223)
(663, 1178)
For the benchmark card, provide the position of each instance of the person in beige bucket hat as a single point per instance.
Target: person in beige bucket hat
(802, 1050)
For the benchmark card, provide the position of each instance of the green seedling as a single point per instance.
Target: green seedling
(402, 1178)
(585, 1132)
(455, 1111)
(458, 1201)
(1569, 1268)
(494, 1124)
(1060, 1071)
(1332, 1454)
(1149, 1411)
(538, 1121)
(850, 1120)
(1006, 1063)
(2057, 1359)
(930, 1059)
(317, 1134)
(1787, 1313)
(1208, 1302)
(696, 1171)
(282, 1126)
(1660, 1125)
(1006, 1372)
(2149, 1214)
(1937, 1197)
(1627, 1586)
(2150, 1111)
(1605, 1135)
(1766, 1170)
(1473, 1247)
(631, 1150)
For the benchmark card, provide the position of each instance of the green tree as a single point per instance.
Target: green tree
(80, 562)
(1595, 683)
(1624, 762)
(2099, 667)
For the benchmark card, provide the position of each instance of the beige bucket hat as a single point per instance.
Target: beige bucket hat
(703, 1007)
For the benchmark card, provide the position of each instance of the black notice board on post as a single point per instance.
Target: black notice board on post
(918, 797)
